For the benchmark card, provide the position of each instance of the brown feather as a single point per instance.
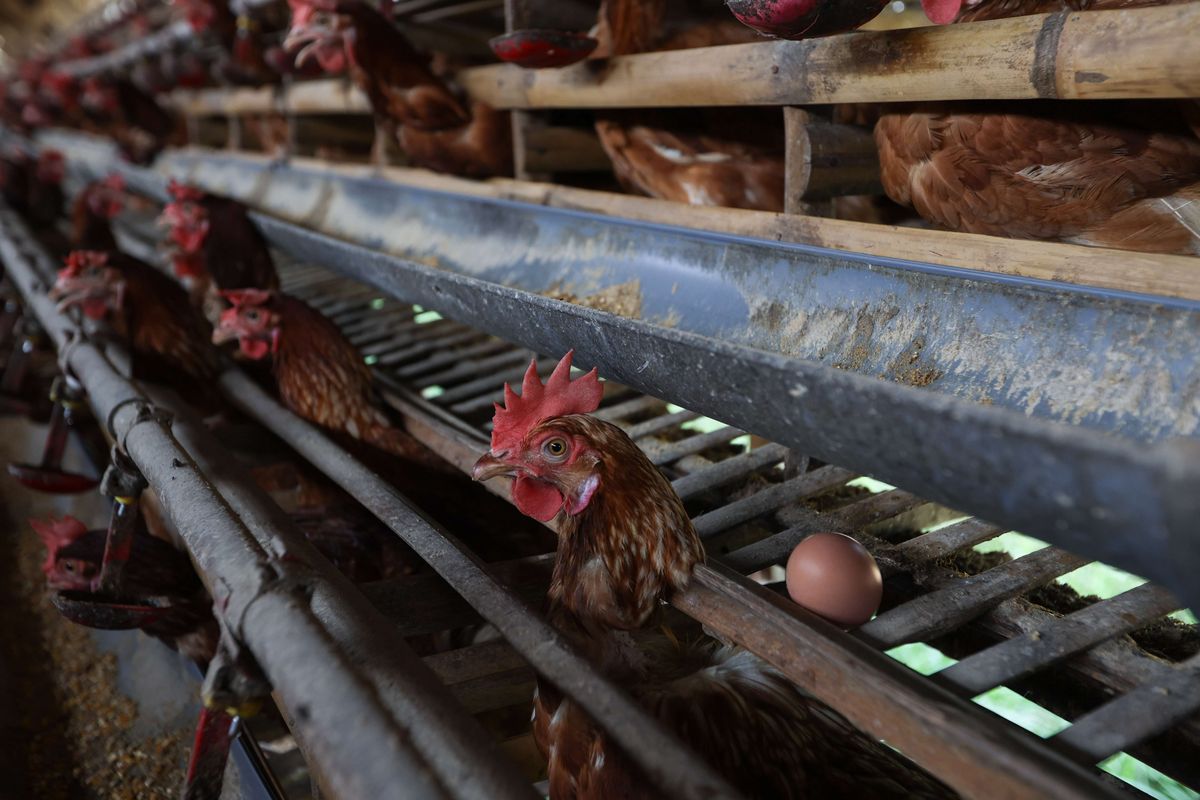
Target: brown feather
(617, 560)
(432, 125)
(689, 157)
(1046, 176)
(171, 343)
(322, 377)
(1001, 9)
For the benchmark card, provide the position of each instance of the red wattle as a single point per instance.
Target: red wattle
(536, 499)
(254, 349)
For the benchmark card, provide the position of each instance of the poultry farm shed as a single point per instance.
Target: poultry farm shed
(281, 278)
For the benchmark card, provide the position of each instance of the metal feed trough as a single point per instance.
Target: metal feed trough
(732, 357)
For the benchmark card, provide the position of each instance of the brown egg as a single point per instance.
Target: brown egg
(835, 577)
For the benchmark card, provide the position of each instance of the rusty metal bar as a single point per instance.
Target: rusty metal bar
(628, 408)
(1136, 715)
(467, 369)
(766, 501)
(453, 356)
(947, 540)
(664, 761)
(440, 730)
(660, 424)
(260, 598)
(473, 388)
(948, 608)
(848, 519)
(728, 470)
(1051, 643)
(673, 451)
(978, 755)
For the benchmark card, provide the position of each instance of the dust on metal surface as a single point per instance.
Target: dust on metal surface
(1098, 358)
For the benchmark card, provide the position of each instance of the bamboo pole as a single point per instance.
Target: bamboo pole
(1130, 53)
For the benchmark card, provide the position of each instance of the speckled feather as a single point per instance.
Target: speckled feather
(89, 230)
(1000, 9)
(170, 341)
(688, 157)
(322, 377)
(1048, 176)
(235, 253)
(431, 124)
(617, 561)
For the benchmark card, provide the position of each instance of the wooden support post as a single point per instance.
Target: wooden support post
(234, 140)
(524, 123)
(827, 160)
(798, 166)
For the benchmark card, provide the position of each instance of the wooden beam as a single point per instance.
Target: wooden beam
(1131, 53)
(827, 160)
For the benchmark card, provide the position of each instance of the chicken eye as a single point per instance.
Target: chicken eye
(252, 315)
(69, 566)
(555, 448)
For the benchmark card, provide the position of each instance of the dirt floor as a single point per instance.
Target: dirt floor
(67, 728)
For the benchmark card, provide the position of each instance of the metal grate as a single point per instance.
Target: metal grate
(750, 513)
(752, 504)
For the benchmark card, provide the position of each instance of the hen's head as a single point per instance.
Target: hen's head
(88, 281)
(198, 13)
(69, 565)
(253, 319)
(317, 32)
(63, 89)
(553, 462)
(50, 166)
(185, 218)
(99, 96)
(106, 198)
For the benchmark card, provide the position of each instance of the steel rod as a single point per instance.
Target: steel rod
(663, 759)
(943, 610)
(1136, 715)
(261, 601)
(1074, 633)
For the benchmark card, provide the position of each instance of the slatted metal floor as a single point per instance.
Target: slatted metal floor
(1124, 674)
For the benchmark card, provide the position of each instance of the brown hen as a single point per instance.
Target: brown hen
(625, 543)
(435, 128)
(727, 158)
(321, 377)
(1048, 172)
(169, 342)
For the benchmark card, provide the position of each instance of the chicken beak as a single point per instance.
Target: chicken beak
(489, 466)
(222, 335)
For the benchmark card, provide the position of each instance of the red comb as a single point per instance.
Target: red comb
(79, 260)
(557, 397)
(247, 297)
(57, 534)
(182, 191)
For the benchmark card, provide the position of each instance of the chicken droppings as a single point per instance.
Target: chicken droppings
(622, 299)
(71, 727)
